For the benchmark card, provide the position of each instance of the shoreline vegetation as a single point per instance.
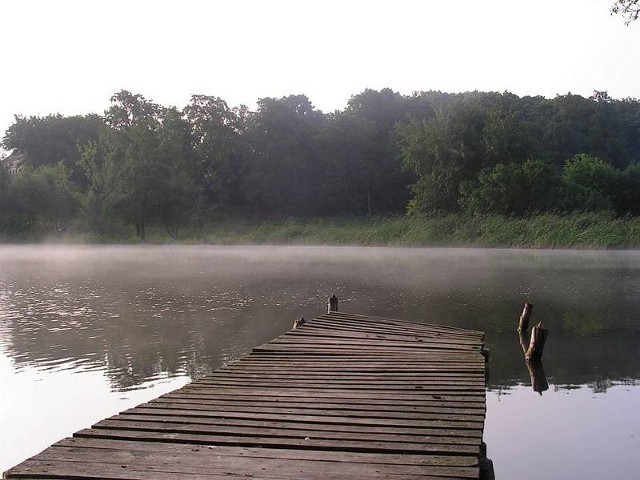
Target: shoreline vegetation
(479, 169)
(553, 231)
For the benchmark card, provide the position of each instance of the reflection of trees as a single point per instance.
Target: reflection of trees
(156, 312)
(135, 336)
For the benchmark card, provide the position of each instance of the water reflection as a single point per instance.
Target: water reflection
(136, 316)
(142, 312)
(565, 435)
(536, 374)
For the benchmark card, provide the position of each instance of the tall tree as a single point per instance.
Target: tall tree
(220, 147)
(180, 190)
(52, 139)
(281, 173)
(40, 200)
(444, 151)
(629, 9)
(136, 124)
(514, 189)
(105, 172)
(376, 175)
(590, 183)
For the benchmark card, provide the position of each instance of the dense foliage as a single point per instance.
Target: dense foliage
(629, 9)
(142, 164)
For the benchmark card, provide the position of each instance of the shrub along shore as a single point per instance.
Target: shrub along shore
(575, 231)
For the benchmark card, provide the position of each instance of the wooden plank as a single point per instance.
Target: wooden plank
(372, 408)
(188, 460)
(193, 411)
(357, 325)
(286, 430)
(435, 385)
(311, 401)
(404, 324)
(439, 422)
(326, 333)
(188, 435)
(291, 454)
(42, 470)
(344, 393)
(280, 417)
(319, 395)
(339, 347)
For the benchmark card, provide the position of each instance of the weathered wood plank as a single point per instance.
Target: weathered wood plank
(190, 461)
(220, 421)
(291, 454)
(388, 403)
(345, 393)
(42, 470)
(144, 414)
(183, 434)
(283, 430)
(356, 409)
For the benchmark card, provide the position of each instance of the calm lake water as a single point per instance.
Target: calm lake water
(86, 332)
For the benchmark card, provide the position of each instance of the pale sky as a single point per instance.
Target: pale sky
(70, 56)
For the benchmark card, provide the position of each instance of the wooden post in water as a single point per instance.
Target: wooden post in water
(332, 304)
(533, 351)
(536, 344)
(523, 325)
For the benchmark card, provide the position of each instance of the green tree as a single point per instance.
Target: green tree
(626, 197)
(135, 123)
(39, 200)
(280, 175)
(52, 139)
(514, 189)
(180, 191)
(629, 9)
(435, 151)
(589, 183)
(105, 172)
(361, 171)
(220, 147)
(375, 174)
(504, 137)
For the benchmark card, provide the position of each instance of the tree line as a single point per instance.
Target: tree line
(142, 165)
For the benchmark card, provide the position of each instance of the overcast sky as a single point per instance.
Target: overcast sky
(70, 56)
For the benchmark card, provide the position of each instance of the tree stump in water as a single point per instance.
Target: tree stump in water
(523, 325)
(536, 344)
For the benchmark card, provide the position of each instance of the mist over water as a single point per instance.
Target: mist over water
(88, 331)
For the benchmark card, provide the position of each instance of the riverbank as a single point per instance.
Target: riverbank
(579, 231)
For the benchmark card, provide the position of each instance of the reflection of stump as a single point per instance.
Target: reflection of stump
(536, 344)
(538, 378)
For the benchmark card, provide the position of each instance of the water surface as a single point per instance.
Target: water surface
(86, 332)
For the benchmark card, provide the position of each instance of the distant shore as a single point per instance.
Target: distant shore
(576, 231)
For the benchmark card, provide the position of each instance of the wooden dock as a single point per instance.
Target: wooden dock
(341, 397)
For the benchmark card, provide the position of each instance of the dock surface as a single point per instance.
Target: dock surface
(341, 397)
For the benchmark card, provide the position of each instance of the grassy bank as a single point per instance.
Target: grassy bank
(581, 231)
(544, 231)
